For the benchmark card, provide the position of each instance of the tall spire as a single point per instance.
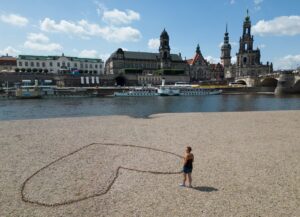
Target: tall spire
(226, 37)
(226, 49)
(247, 18)
(198, 49)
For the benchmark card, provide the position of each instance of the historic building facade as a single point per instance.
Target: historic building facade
(59, 64)
(7, 63)
(248, 59)
(202, 70)
(144, 63)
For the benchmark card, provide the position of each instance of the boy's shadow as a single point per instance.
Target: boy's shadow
(205, 188)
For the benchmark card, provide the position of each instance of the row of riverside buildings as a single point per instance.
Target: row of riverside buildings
(145, 68)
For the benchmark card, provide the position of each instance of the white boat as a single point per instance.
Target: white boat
(137, 92)
(168, 91)
(28, 92)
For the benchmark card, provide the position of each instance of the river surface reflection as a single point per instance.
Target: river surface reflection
(141, 106)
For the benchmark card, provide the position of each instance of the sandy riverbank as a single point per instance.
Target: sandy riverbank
(246, 164)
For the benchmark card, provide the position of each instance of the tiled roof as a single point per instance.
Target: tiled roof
(198, 58)
(190, 61)
(7, 58)
(144, 56)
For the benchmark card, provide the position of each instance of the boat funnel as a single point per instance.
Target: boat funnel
(163, 81)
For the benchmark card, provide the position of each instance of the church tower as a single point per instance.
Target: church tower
(246, 41)
(226, 51)
(164, 50)
(247, 56)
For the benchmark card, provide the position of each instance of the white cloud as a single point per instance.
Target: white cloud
(10, 51)
(85, 29)
(121, 34)
(153, 43)
(92, 54)
(257, 2)
(117, 17)
(233, 59)
(100, 8)
(40, 42)
(212, 59)
(49, 25)
(287, 62)
(89, 54)
(42, 47)
(38, 37)
(14, 19)
(284, 25)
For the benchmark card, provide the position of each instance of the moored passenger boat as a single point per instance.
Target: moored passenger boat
(28, 91)
(199, 92)
(137, 92)
(168, 91)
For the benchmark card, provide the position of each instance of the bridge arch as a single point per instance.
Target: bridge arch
(242, 82)
(120, 80)
(297, 85)
(269, 82)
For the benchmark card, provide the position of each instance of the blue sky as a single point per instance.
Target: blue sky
(91, 28)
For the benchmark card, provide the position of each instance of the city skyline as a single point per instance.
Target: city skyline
(95, 29)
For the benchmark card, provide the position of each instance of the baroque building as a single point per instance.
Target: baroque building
(248, 59)
(143, 63)
(202, 70)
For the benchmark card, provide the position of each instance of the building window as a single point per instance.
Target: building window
(37, 64)
(63, 64)
(26, 63)
(96, 66)
(43, 64)
(91, 66)
(32, 64)
(75, 65)
(58, 64)
(86, 66)
(100, 66)
(68, 64)
(20, 63)
(81, 65)
(50, 64)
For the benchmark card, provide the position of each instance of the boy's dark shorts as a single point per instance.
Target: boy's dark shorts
(187, 170)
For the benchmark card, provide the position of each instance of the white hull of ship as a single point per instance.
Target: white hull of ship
(168, 92)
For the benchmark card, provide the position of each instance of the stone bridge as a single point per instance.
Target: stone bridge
(271, 80)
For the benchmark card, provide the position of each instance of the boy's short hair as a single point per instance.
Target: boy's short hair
(189, 148)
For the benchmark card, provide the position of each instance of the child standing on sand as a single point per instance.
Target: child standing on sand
(188, 160)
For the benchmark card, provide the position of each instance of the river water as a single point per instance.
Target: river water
(141, 106)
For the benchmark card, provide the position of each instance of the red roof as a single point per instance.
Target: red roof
(198, 58)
